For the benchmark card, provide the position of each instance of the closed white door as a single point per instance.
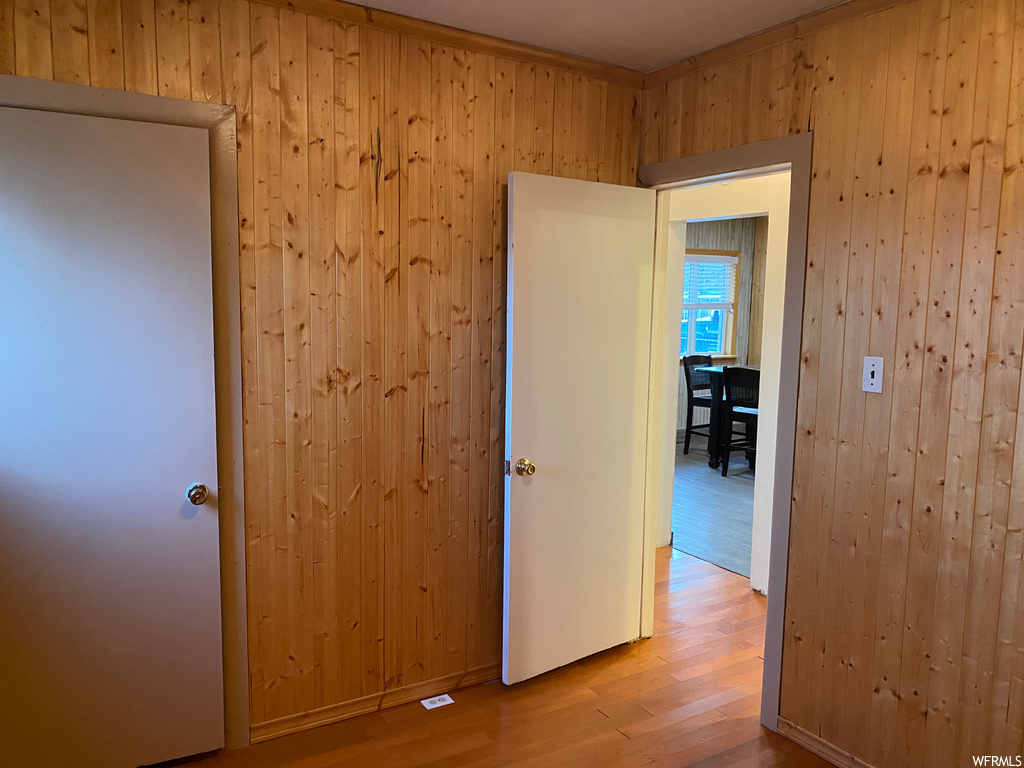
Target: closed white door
(580, 272)
(110, 623)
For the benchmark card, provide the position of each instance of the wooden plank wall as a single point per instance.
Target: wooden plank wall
(372, 183)
(904, 632)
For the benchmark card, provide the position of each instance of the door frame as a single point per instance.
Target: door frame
(791, 153)
(219, 122)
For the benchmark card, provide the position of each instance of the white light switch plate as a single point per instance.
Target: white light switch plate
(873, 374)
(438, 701)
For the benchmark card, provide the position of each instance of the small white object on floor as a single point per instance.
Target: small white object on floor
(438, 701)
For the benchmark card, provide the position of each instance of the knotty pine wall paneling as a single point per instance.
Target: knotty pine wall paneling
(372, 195)
(904, 610)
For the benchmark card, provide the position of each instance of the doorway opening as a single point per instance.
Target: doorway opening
(726, 245)
(769, 179)
(723, 271)
(725, 249)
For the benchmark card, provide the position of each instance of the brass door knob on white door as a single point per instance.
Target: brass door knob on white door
(525, 467)
(197, 493)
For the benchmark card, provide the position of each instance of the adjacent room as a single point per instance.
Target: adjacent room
(727, 256)
(723, 295)
(446, 383)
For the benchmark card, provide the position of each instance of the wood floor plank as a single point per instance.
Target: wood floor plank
(719, 532)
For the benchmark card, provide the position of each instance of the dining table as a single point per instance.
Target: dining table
(718, 425)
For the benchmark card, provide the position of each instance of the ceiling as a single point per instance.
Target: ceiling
(639, 34)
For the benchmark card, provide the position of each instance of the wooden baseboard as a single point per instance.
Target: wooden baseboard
(337, 712)
(819, 746)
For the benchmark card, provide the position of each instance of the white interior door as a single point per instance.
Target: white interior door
(580, 272)
(110, 622)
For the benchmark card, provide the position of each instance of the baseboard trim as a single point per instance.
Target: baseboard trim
(336, 712)
(819, 746)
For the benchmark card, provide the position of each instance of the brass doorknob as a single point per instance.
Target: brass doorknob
(197, 493)
(525, 467)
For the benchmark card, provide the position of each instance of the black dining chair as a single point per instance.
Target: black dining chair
(742, 387)
(698, 394)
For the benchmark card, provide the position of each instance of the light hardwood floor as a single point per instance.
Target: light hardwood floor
(713, 516)
(687, 696)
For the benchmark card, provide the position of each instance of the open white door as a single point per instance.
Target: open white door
(580, 272)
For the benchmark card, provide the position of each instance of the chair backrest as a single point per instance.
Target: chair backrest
(697, 380)
(742, 386)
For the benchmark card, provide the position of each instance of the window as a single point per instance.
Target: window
(709, 295)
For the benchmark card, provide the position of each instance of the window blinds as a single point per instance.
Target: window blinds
(709, 282)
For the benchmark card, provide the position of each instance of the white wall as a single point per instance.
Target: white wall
(764, 195)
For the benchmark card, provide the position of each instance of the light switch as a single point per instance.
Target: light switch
(873, 374)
